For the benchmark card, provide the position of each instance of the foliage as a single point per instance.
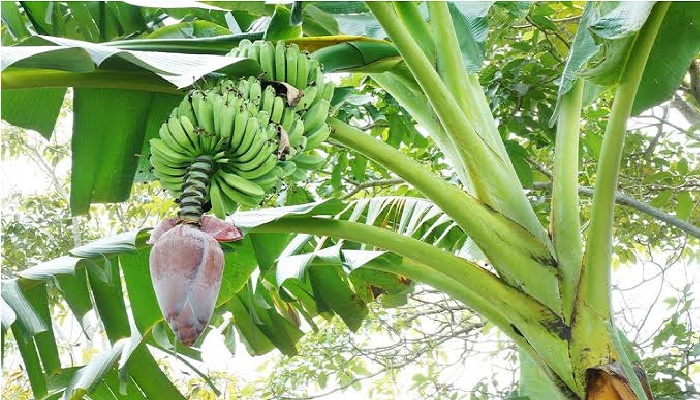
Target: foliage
(316, 260)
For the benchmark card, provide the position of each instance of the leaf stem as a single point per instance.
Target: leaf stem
(464, 87)
(407, 92)
(491, 175)
(415, 23)
(528, 322)
(102, 79)
(527, 265)
(595, 278)
(565, 221)
(591, 343)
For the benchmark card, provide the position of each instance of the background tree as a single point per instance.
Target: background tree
(502, 194)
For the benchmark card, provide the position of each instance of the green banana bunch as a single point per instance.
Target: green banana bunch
(289, 64)
(234, 142)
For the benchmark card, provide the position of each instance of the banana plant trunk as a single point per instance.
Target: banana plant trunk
(563, 319)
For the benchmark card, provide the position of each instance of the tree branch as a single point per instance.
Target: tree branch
(694, 72)
(659, 132)
(688, 112)
(645, 208)
(364, 185)
(573, 19)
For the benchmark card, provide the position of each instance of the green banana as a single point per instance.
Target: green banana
(291, 58)
(251, 132)
(234, 96)
(263, 117)
(161, 149)
(246, 131)
(218, 206)
(270, 179)
(303, 145)
(280, 62)
(167, 136)
(174, 189)
(264, 168)
(241, 120)
(258, 158)
(302, 70)
(267, 59)
(241, 184)
(268, 99)
(252, 107)
(208, 142)
(317, 78)
(259, 140)
(192, 134)
(173, 181)
(316, 115)
(165, 169)
(287, 118)
(295, 133)
(311, 161)
(315, 72)
(254, 91)
(319, 136)
(272, 132)
(183, 138)
(307, 99)
(226, 85)
(242, 45)
(328, 90)
(205, 114)
(218, 102)
(230, 206)
(277, 109)
(242, 88)
(235, 195)
(226, 121)
(185, 108)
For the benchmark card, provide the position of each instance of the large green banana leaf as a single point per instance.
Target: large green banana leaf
(605, 37)
(309, 277)
(122, 95)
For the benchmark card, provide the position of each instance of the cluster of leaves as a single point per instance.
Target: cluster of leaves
(521, 81)
(675, 351)
(659, 164)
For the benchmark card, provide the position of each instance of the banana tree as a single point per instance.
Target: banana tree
(547, 288)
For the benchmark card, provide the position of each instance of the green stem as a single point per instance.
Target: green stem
(414, 22)
(451, 69)
(591, 343)
(529, 323)
(465, 87)
(595, 279)
(102, 79)
(483, 287)
(407, 92)
(527, 264)
(213, 45)
(565, 221)
(195, 188)
(495, 175)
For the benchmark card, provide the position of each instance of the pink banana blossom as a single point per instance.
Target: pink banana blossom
(186, 269)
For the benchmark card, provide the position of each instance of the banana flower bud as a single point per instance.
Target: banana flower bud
(186, 269)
